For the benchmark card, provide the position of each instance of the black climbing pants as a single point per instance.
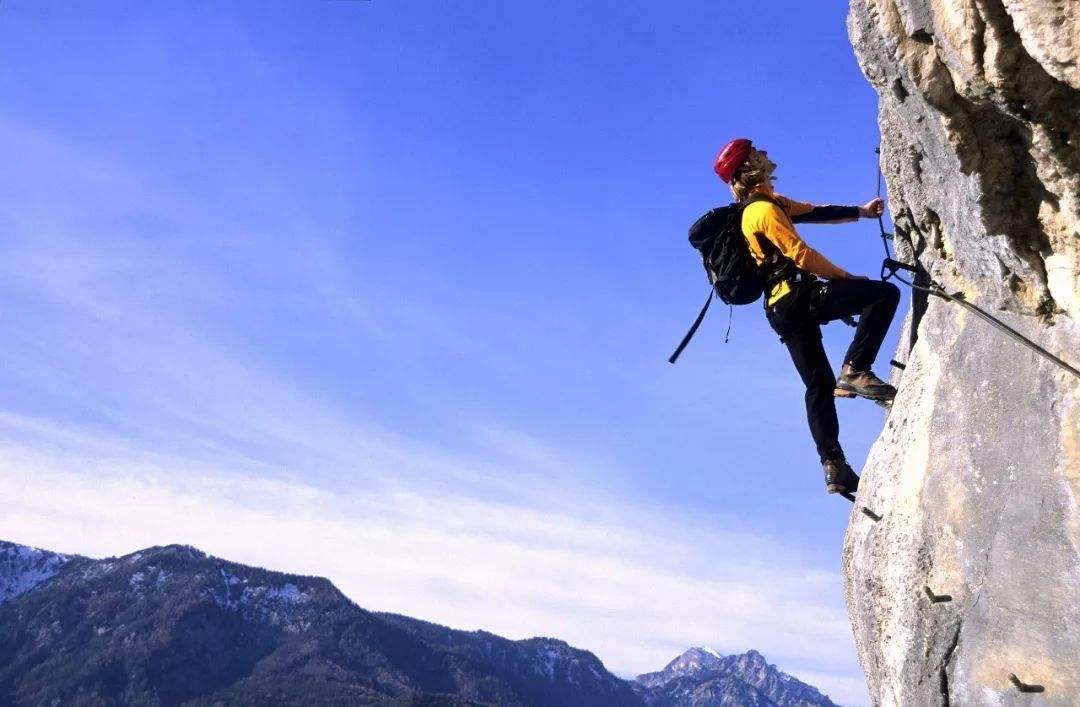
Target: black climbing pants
(798, 317)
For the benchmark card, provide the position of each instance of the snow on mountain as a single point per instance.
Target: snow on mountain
(23, 568)
(692, 662)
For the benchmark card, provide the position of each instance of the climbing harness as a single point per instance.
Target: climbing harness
(889, 270)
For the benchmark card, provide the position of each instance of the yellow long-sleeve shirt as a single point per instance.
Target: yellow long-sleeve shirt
(766, 219)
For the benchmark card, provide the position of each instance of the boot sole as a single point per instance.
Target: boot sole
(846, 391)
(843, 491)
(885, 402)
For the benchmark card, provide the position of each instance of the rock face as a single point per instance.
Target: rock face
(976, 476)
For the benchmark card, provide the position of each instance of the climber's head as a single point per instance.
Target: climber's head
(754, 174)
(731, 157)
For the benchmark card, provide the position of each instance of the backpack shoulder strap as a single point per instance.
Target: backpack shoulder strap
(776, 264)
(763, 197)
(767, 247)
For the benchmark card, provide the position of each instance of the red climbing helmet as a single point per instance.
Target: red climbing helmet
(730, 158)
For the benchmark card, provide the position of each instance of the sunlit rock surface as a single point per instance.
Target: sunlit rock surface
(976, 475)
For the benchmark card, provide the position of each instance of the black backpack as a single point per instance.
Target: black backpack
(726, 256)
(733, 273)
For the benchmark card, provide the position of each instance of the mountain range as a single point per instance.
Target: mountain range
(171, 625)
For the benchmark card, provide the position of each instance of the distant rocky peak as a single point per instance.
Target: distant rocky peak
(752, 658)
(702, 676)
(22, 568)
(694, 660)
(750, 663)
(705, 659)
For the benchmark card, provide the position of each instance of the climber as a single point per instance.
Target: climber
(797, 302)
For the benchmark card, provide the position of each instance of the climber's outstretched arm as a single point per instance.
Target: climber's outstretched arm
(802, 212)
(769, 220)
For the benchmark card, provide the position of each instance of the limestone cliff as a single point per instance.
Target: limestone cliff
(976, 476)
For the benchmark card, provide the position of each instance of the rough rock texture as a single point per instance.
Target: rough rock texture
(976, 476)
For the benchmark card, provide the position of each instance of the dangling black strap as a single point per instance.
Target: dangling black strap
(701, 315)
(730, 316)
(693, 328)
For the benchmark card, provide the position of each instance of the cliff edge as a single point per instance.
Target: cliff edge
(967, 589)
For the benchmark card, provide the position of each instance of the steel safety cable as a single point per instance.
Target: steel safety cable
(888, 271)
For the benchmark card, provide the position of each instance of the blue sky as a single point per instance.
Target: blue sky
(410, 272)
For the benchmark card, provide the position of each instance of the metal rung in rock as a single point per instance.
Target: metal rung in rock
(936, 598)
(1024, 687)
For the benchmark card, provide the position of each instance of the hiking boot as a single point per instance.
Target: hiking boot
(863, 384)
(840, 477)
